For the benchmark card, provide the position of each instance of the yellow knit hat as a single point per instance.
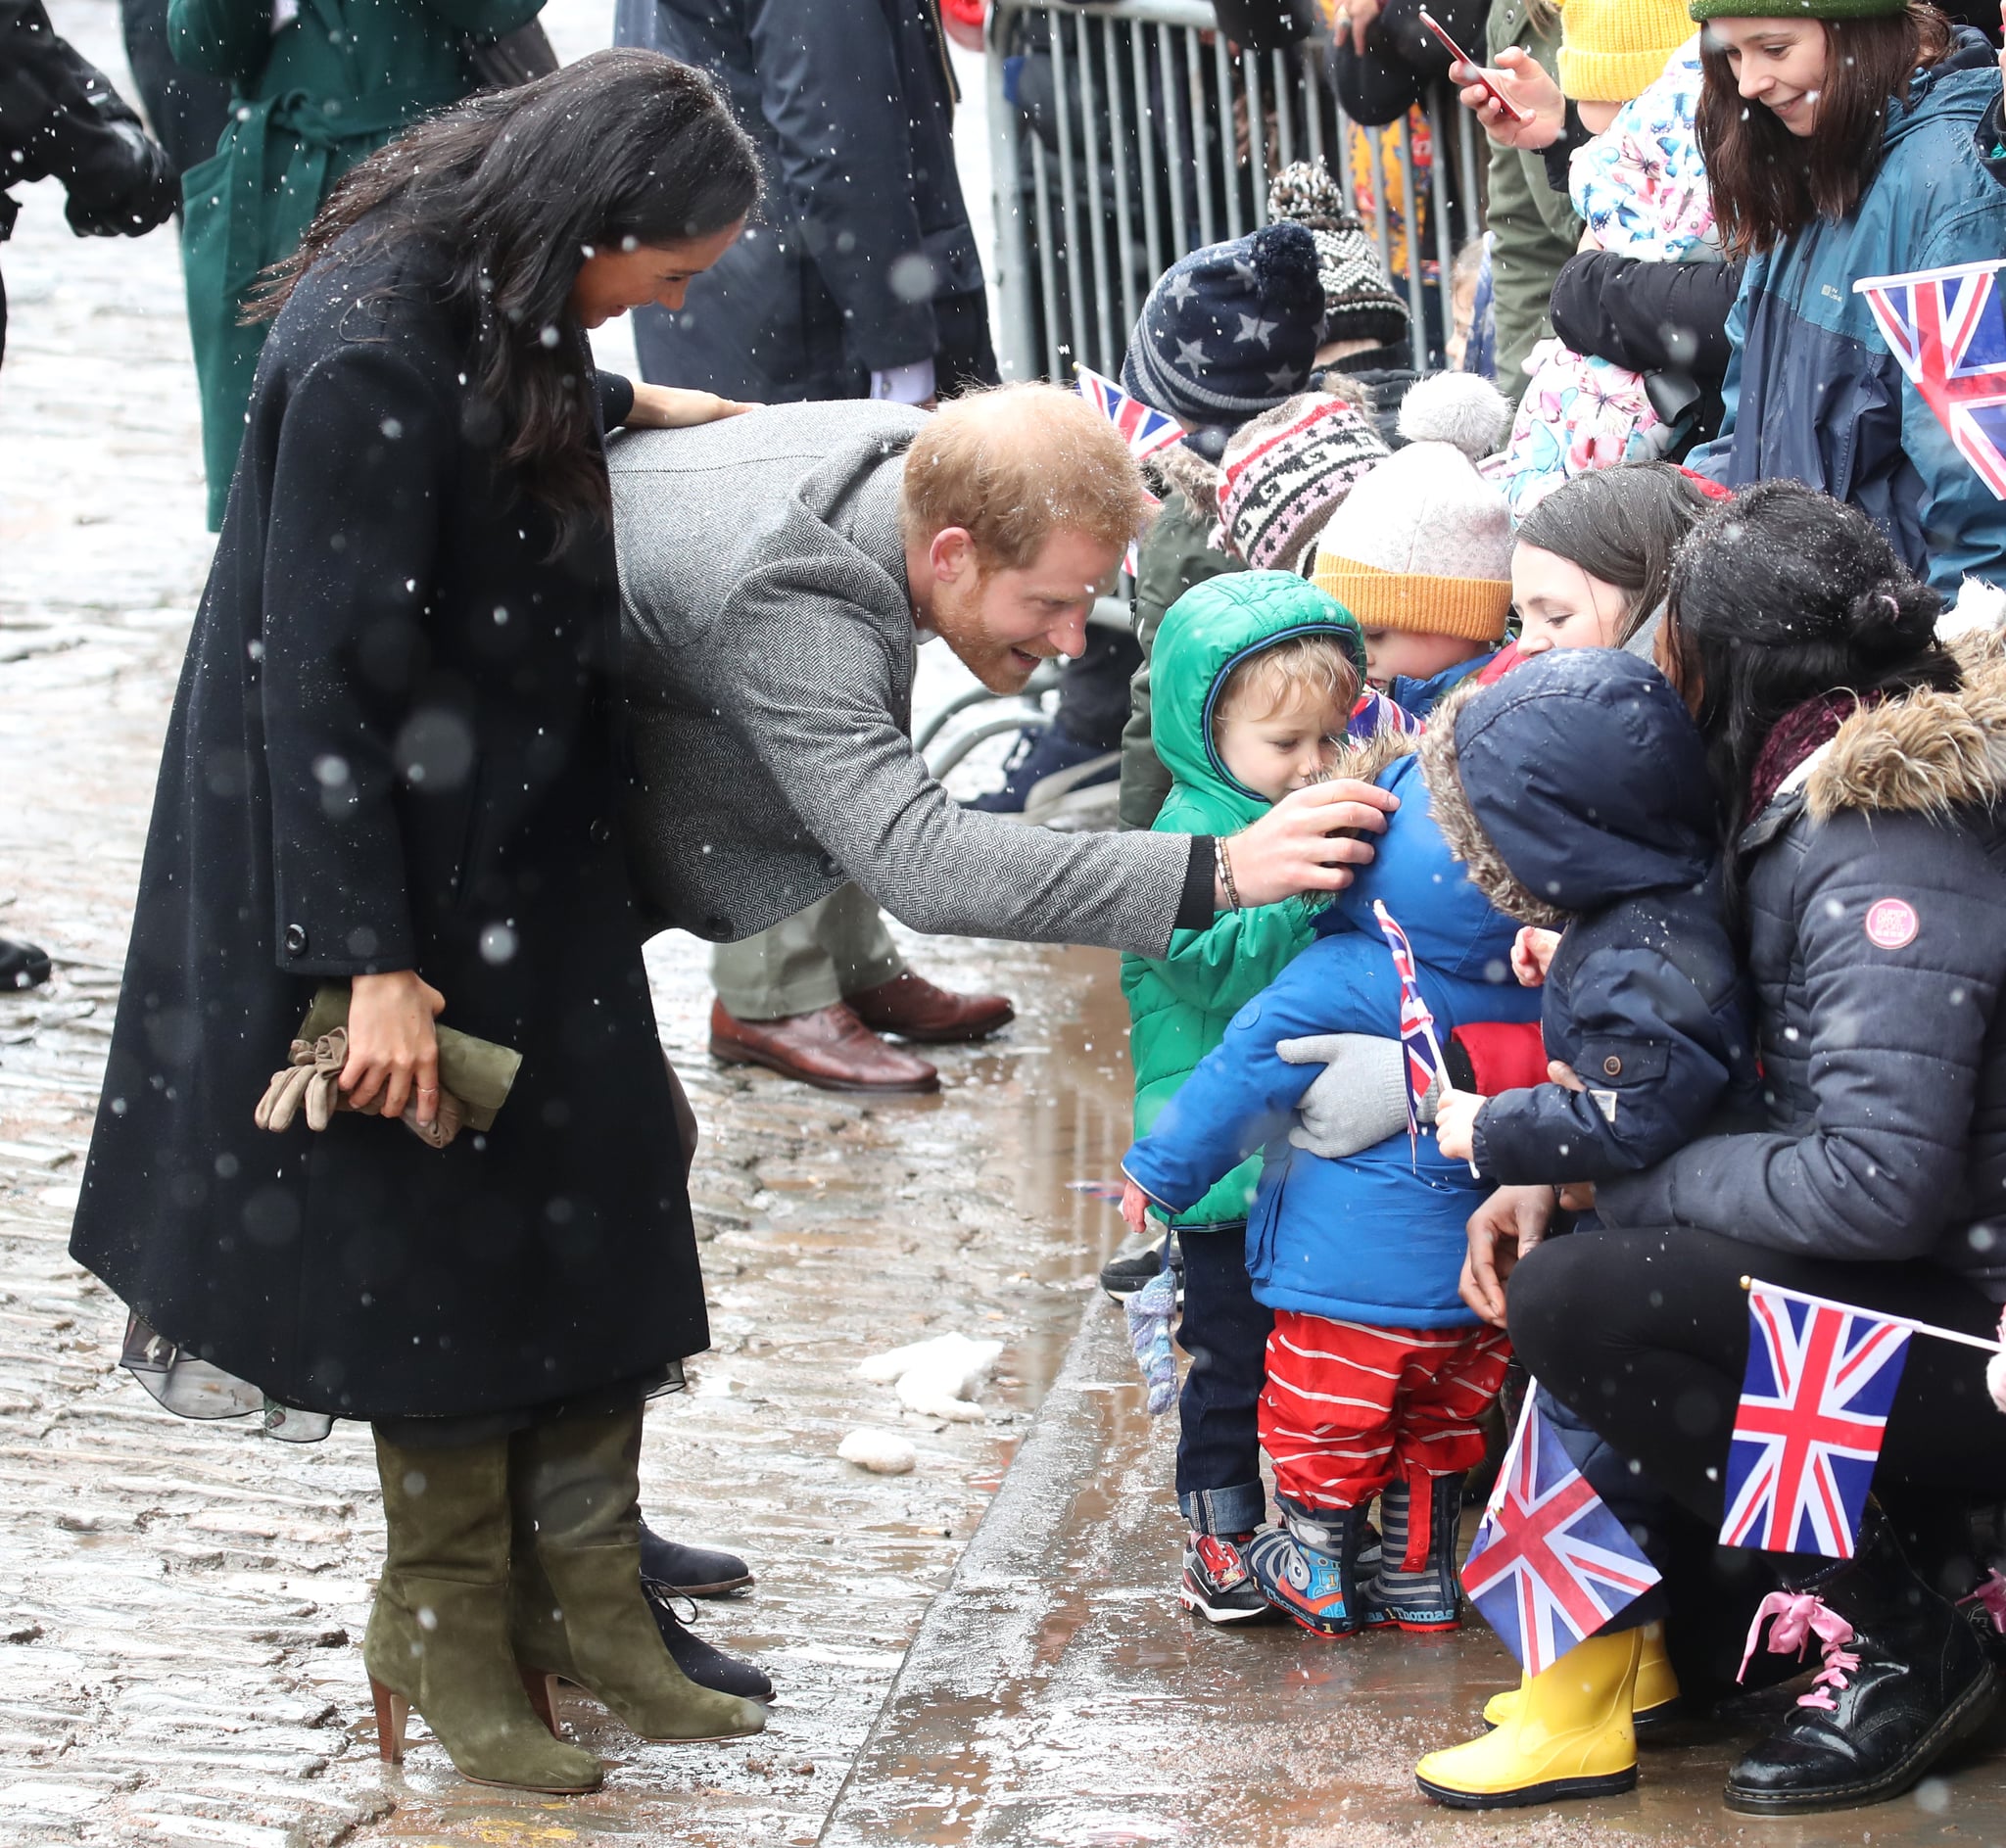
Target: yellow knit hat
(1611, 50)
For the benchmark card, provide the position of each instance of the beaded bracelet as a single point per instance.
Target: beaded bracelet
(1225, 873)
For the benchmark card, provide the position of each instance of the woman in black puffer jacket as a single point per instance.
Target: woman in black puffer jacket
(1864, 769)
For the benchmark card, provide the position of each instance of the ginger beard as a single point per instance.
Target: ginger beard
(1002, 622)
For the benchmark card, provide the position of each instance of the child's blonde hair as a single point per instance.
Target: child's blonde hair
(1262, 684)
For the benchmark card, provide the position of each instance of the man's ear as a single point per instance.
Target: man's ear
(952, 554)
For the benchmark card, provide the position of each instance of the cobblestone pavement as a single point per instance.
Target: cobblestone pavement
(181, 1605)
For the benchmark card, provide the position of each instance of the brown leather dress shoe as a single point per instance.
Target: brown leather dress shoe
(910, 1006)
(831, 1049)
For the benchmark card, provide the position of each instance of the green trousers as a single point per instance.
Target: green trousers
(838, 946)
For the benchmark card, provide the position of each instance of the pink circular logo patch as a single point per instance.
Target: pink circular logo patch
(1891, 924)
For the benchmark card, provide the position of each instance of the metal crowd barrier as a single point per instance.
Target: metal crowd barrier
(1165, 140)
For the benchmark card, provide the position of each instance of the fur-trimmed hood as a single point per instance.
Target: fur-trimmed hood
(1454, 926)
(1577, 780)
(1925, 752)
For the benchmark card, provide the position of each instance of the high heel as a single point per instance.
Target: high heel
(438, 1636)
(393, 1713)
(577, 1603)
(541, 1689)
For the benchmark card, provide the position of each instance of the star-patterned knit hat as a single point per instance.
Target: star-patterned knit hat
(1229, 330)
(1360, 302)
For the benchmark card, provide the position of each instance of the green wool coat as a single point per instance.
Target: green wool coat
(1179, 1005)
(330, 86)
(1534, 229)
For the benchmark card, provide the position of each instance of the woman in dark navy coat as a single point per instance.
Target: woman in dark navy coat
(393, 761)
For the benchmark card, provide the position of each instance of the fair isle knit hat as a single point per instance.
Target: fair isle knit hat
(1423, 544)
(1614, 50)
(1286, 471)
(1359, 301)
(1228, 330)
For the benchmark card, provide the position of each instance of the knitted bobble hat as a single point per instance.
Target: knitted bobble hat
(1287, 470)
(1359, 301)
(1613, 50)
(1229, 330)
(1423, 543)
(1704, 10)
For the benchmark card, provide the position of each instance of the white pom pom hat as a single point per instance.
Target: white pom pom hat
(1423, 543)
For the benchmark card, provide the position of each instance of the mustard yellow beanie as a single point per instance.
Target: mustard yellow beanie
(1612, 50)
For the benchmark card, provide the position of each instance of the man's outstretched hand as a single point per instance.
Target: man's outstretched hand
(1306, 842)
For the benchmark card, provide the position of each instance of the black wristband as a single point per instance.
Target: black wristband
(1573, 134)
(1195, 908)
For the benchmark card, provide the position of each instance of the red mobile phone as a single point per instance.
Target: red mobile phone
(1497, 96)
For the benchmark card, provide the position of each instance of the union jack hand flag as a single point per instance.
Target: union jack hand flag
(1945, 328)
(1815, 1400)
(1551, 1564)
(1144, 430)
(1416, 1024)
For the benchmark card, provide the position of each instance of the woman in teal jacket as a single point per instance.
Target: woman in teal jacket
(317, 85)
(1180, 1004)
(1840, 145)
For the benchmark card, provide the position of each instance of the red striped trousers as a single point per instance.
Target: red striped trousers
(1347, 1408)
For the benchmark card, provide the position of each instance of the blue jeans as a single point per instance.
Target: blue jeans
(1225, 1333)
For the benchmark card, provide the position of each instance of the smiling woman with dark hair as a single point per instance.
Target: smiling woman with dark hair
(1839, 137)
(392, 764)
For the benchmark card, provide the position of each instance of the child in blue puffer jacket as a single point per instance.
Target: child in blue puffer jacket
(1378, 1373)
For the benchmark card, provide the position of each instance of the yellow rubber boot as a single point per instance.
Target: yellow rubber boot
(1571, 1736)
(1657, 1686)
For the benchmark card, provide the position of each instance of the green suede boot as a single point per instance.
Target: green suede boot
(438, 1636)
(586, 1617)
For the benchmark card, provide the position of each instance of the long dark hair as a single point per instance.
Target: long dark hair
(1779, 595)
(1623, 526)
(515, 189)
(1767, 182)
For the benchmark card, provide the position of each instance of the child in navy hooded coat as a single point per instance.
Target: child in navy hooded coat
(1377, 1373)
(1643, 997)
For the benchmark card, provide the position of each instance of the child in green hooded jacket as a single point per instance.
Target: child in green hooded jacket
(1258, 681)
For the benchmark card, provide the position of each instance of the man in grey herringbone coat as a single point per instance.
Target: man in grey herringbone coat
(779, 572)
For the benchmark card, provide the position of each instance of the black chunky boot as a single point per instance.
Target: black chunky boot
(1906, 1678)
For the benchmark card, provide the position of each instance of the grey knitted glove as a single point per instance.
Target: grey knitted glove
(1361, 1097)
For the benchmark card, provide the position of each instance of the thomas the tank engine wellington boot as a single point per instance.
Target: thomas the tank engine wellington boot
(1309, 1566)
